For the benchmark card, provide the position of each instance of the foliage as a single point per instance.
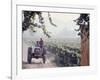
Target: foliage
(83, 21)
(29, 21)
(65, 54)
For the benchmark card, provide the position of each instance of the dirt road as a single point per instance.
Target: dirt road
(37, 63)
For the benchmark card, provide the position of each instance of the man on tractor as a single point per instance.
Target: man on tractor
(41, 43)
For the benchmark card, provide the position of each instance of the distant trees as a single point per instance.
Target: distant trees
(84, 21)
(29, 21)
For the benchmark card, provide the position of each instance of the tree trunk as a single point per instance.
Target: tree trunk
(84, 51)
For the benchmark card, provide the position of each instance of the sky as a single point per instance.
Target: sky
(65, 26)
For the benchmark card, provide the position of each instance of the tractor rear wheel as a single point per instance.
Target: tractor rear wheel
(29, 57)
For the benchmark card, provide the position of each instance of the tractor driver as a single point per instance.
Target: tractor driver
(41, 43)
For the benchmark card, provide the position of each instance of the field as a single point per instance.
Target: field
(60, 53)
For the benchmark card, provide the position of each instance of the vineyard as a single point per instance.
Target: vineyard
(65, 52)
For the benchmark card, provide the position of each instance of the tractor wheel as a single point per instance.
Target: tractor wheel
(29, 57)
(44, 59)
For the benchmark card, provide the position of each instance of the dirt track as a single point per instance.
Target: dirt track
(37, 63)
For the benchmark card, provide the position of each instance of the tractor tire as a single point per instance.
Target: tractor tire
(29, 57)
(44, 59)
